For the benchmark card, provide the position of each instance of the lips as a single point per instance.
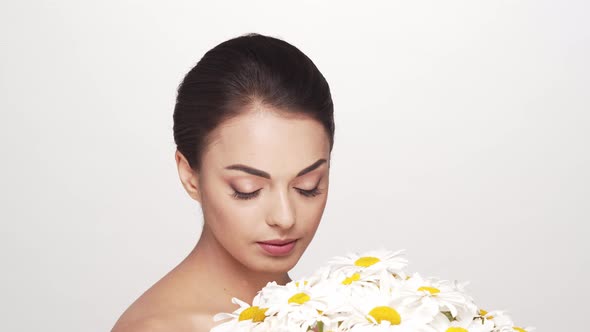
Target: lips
(278, 242)
(278, 247)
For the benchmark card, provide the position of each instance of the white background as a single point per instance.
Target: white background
(462, 135)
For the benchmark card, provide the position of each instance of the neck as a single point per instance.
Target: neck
(226, 276)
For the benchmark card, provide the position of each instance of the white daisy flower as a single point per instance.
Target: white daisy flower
(499, 317)
(378, 307)
(355, 284)
(502, 321)
(370, 261)
(441, 322)
(442, 294)
(302, 302)
(245, 318)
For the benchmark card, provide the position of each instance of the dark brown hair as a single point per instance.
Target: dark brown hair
(248, 69)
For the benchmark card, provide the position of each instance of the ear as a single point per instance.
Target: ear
(188, 177)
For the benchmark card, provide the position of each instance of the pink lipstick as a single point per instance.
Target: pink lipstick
(278, 247)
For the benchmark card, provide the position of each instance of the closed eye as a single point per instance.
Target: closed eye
(310, 193)
(245, 196)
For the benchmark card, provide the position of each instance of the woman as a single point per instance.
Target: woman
(254, 129)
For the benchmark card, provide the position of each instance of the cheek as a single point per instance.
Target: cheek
(310, 214)
(228, 218)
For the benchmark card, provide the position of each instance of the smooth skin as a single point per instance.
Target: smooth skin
(227, 261)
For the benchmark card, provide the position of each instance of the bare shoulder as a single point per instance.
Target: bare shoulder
(176, 322)
(150, 324)
(165, 308)
(176, 303)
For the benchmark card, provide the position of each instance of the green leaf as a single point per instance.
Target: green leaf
(449, 316)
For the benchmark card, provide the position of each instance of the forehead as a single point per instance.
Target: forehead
(268, 141)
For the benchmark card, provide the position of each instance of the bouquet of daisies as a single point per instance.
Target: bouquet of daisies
(368, 292)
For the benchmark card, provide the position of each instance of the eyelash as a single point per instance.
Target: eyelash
(245, 196)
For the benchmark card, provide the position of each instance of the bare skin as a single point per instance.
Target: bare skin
(228, 261)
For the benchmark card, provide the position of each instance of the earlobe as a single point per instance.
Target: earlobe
(188, 177)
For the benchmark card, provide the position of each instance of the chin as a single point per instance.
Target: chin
(276, 265)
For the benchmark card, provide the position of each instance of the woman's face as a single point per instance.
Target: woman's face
(265, 178)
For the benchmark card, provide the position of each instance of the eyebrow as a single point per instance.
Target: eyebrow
(264, 174)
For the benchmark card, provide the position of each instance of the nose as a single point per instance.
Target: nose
(282, 213)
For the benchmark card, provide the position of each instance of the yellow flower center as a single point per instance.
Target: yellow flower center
(432, 290)
(248, 313)
(519, 329)
(349, 280)
(299, 298)
(260, 315)
(483, 313)
(254, 313)
(366, 261)
(456, 329)
(382, 313)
